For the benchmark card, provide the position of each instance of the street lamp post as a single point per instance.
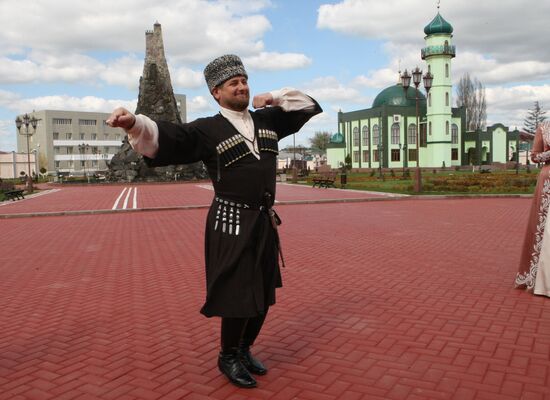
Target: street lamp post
(404, 148)
(82, 148)
(406, 82)
(380, 153)
(27, 120)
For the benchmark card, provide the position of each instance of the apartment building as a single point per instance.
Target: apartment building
(74, 142)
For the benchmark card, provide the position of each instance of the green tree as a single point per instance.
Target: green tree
(470, 94)
(320, 140)
(534, 117)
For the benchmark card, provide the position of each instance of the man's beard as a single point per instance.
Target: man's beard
(239, 103)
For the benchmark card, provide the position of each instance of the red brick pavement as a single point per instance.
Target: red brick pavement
(63, 198)
(382, 300)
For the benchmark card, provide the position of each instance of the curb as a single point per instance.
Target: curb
(278, 203)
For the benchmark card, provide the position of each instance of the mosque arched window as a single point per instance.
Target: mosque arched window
(375, 135)
(356, 137)
(446, 70)
(454, 134)
(429, 99)
(446, 127)
(430, 127)
(447, 99)
(411, 134)
(366, 136)
(395, 134)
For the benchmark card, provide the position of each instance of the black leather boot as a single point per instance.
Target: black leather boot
(250, 363)
(231, 366)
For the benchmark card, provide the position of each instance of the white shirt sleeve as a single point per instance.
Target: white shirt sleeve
(144, 136)
(290, 99)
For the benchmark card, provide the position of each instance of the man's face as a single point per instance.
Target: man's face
(233, 93)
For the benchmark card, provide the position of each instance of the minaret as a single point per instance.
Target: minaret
(156, 96)
(438, 54)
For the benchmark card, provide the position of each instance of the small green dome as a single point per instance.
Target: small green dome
(395, 96)
(438, 25)
(337, 138)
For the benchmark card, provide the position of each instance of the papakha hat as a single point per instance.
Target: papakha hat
(222, 69)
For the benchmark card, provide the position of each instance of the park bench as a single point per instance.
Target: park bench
(325, 180)
(16, 194)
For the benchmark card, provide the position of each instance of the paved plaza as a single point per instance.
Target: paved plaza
(383, 298)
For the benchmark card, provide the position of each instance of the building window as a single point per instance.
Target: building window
(356, 156)
(56, 150)
(446, 127)
(411, 134)
(69, 150)
(429, 99)
(454, 154)
(375, 154)
(82, 136)
(412, 154)
(82, 163)
(106, 150)
(117, 136)
(395, 155)
(88, 122)
(395, 134)
(447, 99)
(94, 136)
(61, 121)
(356, 137)
(430, 128)
(365, 156)
(57, 164)
(446, 70)
(94, 163)
(71, 164)
(454, 134)
(375, 135)
(69, 136)
(423, 135)
(366, 136)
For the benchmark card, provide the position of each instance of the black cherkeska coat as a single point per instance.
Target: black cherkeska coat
(241, 246)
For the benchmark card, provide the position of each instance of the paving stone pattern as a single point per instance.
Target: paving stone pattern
(407, 299)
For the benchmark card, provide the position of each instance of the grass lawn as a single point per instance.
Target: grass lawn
(443, 182)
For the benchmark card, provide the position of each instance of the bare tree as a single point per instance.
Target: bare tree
(470, 94)
(320, 140)
(534, 117)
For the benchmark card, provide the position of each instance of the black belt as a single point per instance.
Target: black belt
(228, 217)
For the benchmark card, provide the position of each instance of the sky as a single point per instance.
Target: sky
(86, 55)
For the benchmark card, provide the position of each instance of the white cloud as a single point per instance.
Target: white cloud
(193, 30)
(509, 105)
(331, 90)
(8, 138)
(273, 61)
(17, 104)
(187, 78)
(517, 50)
(123, 71)
(198, 105)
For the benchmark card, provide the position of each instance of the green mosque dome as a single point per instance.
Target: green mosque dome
(395, 96)
(337, 138)
(438, 25)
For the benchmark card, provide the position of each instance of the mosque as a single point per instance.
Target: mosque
(387, 135)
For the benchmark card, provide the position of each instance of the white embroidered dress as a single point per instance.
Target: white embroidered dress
(534, 269)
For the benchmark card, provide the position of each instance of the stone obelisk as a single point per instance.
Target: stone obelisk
(156, 100)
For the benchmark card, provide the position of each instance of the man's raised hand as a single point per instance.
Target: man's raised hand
(121, 118)
(262, 100)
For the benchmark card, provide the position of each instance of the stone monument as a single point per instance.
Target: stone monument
(157, 101)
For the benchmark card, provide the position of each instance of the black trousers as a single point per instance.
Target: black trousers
(237, 332)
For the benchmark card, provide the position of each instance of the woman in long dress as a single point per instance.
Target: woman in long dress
(534, 269)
